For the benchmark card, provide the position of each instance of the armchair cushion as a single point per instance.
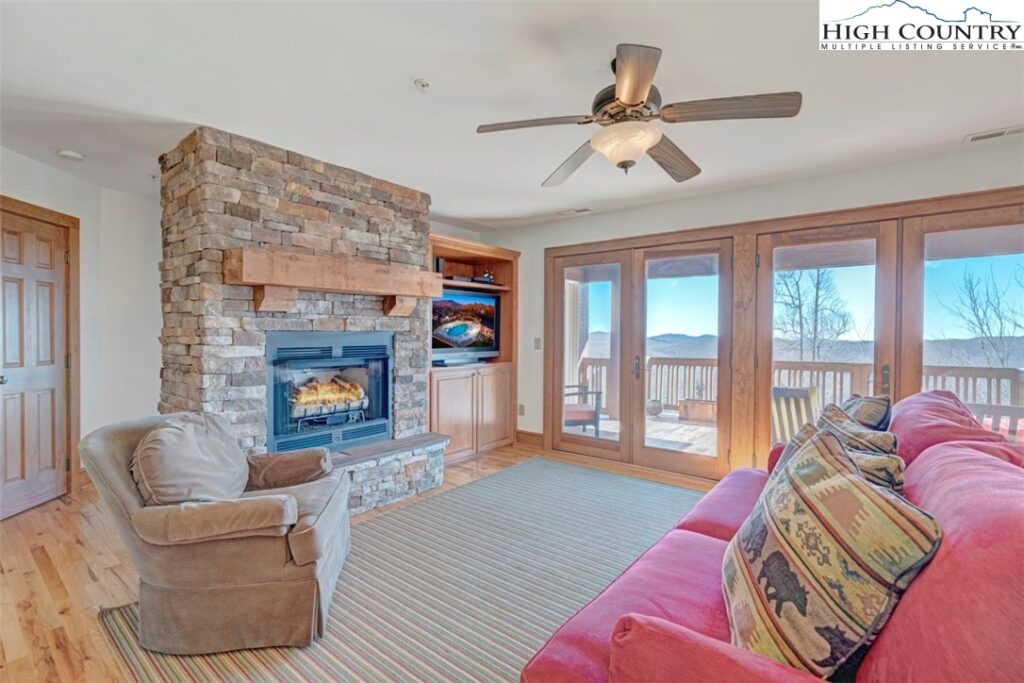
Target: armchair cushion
(214, 520)
(322, 508)
(189, 457)
(651, 650)
(275, 470)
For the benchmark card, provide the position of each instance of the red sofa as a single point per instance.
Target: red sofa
(664, 618)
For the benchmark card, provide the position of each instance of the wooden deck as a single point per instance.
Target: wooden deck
(665, 431)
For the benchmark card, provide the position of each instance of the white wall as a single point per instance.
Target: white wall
(119, 285)
(965, 169)
(445, 229)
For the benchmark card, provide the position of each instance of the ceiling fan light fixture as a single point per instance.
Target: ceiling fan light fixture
(624, 143)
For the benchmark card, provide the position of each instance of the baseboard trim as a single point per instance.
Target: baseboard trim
(529, 439)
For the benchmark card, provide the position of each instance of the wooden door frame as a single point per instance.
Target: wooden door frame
(554, 380)
(664, 459)
(73, 323)
(911, 316)
(886, 235)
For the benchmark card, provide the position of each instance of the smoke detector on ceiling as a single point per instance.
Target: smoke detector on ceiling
(70, 154)
(574, 212)
(994, 134)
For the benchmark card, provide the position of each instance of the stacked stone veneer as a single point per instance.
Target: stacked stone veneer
(221, 191)
(395, 476)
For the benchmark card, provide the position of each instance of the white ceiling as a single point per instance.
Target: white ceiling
(124, 82)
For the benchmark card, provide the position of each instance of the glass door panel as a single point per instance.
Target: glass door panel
(973, 322)
(683, 313)
(826, 323)
(588, 396)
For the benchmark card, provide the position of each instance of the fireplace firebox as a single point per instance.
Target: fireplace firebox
(328, 389)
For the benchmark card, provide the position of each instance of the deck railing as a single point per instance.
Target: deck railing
(675, 379)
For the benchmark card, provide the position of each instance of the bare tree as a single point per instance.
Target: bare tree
(992, 313)
(809, 311)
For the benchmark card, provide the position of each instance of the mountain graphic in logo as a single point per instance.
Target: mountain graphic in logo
(971, 14)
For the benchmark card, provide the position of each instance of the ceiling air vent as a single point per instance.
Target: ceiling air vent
(994, 134)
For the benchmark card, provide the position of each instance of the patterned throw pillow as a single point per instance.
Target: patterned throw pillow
(870, 411)
(882, 469)
(853, 434)
(820, 563)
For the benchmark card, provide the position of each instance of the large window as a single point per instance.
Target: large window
(973, 321)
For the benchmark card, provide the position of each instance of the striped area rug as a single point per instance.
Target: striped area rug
(462, 586)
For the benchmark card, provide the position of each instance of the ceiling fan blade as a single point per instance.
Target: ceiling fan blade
(533, 123)
(767, 106)
(634, 72)
(673, 160)
(569, 166)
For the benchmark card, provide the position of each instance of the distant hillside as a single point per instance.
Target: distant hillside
(966, 352)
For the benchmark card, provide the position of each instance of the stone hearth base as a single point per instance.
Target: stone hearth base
(389, 471)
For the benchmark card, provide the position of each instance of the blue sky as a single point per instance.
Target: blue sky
(690, 305)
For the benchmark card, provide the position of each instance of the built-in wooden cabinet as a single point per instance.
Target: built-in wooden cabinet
(474, 406)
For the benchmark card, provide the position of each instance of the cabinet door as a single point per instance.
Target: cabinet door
(494, 410)
(453, 409)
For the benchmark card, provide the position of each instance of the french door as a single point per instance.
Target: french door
(962, 322)
(826, 323)
(641, 371)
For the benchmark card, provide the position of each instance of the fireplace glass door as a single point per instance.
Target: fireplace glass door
(315, 395)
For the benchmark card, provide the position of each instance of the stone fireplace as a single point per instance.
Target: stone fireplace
(223, 193)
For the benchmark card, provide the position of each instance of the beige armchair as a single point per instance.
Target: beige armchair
(257, 571)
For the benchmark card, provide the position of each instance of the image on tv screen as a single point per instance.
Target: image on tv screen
(464, 321)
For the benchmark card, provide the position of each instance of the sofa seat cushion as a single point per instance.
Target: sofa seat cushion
(322, 506)
(678, 579)
(721, 512)
(961, 620)
(822, 560)
(189, 457)
(933, 417)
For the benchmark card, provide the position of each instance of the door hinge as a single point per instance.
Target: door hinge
(67, 361)
(755, 361)
(757, 260)
(67, 257)
(67, 464)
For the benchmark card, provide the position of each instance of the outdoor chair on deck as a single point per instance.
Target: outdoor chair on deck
(585, 411)
(791, 410)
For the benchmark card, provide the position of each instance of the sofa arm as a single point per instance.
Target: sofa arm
(215, 520)
(279, 470)
(651, 650)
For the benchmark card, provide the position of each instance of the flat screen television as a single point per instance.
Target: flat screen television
(465, 327)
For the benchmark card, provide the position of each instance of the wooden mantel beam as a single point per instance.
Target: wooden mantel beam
(281, 272)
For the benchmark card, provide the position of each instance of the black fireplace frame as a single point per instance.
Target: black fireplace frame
(293, 350)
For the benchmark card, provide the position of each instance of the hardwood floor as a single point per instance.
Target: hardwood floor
(62, 561)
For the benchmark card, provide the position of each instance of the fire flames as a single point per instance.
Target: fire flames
(333, 393)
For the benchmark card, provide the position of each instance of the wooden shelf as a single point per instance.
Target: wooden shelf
(482, 286)
(278, 275)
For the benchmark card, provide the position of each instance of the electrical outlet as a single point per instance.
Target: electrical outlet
(522, 410)
(536, 343)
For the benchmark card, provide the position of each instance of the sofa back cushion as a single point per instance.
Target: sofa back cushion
(190, 456)
(961, 620)
(933, 417)
(821, 561)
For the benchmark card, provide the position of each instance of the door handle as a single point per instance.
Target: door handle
(636, 367)
(3, 379)
(886, 382)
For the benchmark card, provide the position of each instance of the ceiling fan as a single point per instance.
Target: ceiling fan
(626, 112)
